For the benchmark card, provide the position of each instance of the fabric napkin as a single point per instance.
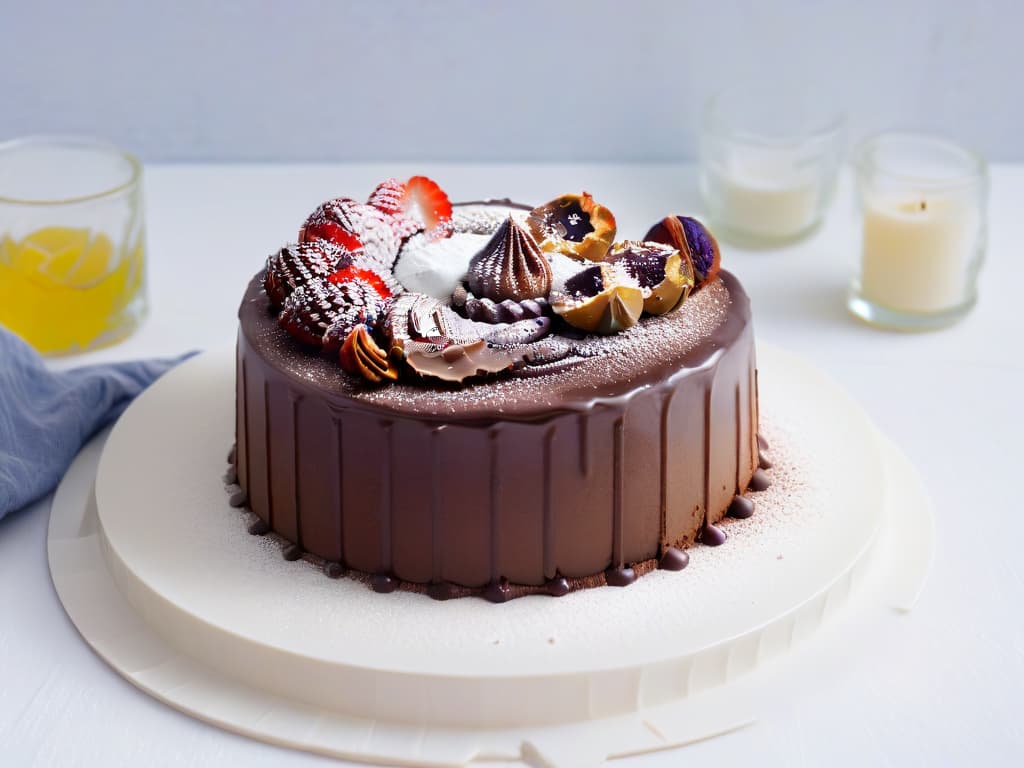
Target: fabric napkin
(46, 416)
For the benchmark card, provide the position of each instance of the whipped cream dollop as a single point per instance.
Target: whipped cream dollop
(437, 267)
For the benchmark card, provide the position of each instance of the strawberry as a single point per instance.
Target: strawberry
(310, 310)
(387, 197)
(322, 313)
(298, 264)
(334, 233)
(350, 273)
(426, 204)
(360, 228)
(416, 206)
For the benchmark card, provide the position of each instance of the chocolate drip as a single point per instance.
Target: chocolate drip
(759, 481)
(712, 535)
(292, 552)
(242, 435)
(548, 544)
(259, 528)
(584, 444)
(739, 438)
(741, 508)
(620, 577)
(617, 495)
(383, 583)
(333, 570)
(231, 475)
(438, 498)
(436, 521)
(493, 470)
(557, 587)
(763, 462)
(762, 444)
(387, 511)
(666, 408)
(339, 502)
(268, 442)
(498, 592)
(441, 590)
(231, 453)
(238, 499)
(296, 451)
(673, 559)
(707, 454)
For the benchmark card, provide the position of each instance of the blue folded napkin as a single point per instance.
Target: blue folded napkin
(45, 416)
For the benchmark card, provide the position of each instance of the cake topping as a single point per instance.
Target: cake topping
(436, 267)
(574, 225)
(361, 356)
(418, 205)
(310, 309)
(600, 299)
(510, 266)
(485, 217)
(362, 304)
(663, 275)
(436, 341)
(693, 240)
(322, 313)
(357, 227)
(489, 311)
(350, 273)
(300, 263)
(454, 296)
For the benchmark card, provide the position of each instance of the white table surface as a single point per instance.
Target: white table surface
(942, 686)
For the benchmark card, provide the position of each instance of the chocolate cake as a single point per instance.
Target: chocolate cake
(494, 399)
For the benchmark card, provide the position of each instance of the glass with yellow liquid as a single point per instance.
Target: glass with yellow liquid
(72, 243)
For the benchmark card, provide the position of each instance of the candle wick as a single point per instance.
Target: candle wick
(924, 205)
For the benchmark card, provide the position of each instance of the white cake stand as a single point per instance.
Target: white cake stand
(160, 577)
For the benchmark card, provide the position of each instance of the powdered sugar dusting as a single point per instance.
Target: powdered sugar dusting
(484, 219)
(606, 361)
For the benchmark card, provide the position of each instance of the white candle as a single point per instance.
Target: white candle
(916, 252)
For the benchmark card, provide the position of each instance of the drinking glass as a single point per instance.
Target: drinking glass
(72, 242)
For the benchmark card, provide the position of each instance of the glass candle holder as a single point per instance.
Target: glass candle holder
(923, 205)
(768, 162)
(72, 243)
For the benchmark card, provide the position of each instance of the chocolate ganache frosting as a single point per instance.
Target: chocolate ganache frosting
(589, 461)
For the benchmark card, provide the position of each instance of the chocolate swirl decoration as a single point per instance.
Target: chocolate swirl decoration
(436, 341)
(361, 356)
(510, 267)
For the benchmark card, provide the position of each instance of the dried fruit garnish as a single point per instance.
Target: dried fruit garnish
(574, 225)
(693, 240)
(600, 299)
(660, 270)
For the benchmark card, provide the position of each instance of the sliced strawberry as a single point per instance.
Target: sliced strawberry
(425, 203)
(350, 273)
(332, 232)
(387, 197)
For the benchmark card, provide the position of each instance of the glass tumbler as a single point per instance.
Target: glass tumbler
(923, 206)
(72, 243)
(768, 161)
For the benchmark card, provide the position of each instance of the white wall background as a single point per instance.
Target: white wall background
(478, 79)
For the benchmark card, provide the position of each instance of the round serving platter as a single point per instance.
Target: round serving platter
(161, 578)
